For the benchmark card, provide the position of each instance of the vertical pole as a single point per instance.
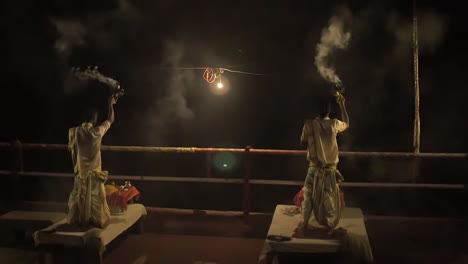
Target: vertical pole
(417, 122)
(16, 188)
(19, 154)
(247, 191)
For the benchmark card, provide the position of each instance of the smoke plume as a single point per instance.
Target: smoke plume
(93, 29)
(333, 38)
(72, 35)
(171, 109)
(93, 32)
(174, 104)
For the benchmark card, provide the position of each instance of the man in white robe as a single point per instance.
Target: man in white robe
(321, 186)
(87, 202)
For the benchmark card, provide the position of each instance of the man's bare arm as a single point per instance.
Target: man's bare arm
(303, 136)
(110, 114)
(100, 130)
(344, 114)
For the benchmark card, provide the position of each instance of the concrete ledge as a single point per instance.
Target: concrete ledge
(18, 226)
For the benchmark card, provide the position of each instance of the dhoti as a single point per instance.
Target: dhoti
(322, 195)
(87, 202)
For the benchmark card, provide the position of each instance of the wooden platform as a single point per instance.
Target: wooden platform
(225, 239)
(286, 220)
(89, 245)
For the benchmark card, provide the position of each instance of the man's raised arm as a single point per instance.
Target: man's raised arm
(304, 135)
(104, 126)
(110, 113)
(344, 114)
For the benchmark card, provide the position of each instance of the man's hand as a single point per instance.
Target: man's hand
(340, 98)
(112, 100)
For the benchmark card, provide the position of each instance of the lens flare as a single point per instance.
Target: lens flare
(225, 161)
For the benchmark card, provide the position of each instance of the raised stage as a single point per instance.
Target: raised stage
(92, 242)
(286, 220)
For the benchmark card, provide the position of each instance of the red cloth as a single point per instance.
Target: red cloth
(121, 198)
(299, 198)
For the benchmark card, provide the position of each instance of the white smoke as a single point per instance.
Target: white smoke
(333, 38)
(174, 105)
(72, 35)
(95, 28)
(170, 111)
(94, 32)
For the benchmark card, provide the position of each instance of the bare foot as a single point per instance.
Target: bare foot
(302, 227)
(338, 232)
(300, 230)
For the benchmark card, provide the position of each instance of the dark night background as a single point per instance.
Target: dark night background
(140, 42)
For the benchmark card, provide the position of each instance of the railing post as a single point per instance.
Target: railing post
(417, 121)
(17, 149)
(18, 153)
(247, 191)
(208, 165)
(415, 166)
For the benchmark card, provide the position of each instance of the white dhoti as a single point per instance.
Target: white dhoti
(322, 196)
(87, 202)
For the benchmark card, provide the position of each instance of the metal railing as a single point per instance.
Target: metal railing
(18, 144)
(247, 180)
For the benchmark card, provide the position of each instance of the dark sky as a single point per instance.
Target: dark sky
(136, 41)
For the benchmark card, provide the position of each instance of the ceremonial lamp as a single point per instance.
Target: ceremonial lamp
(94, 74)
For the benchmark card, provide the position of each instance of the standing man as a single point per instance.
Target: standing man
(87, 202)
(321, 187)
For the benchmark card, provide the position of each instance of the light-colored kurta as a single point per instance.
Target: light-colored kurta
(87, 202)
(320, 135)
(321, 186)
